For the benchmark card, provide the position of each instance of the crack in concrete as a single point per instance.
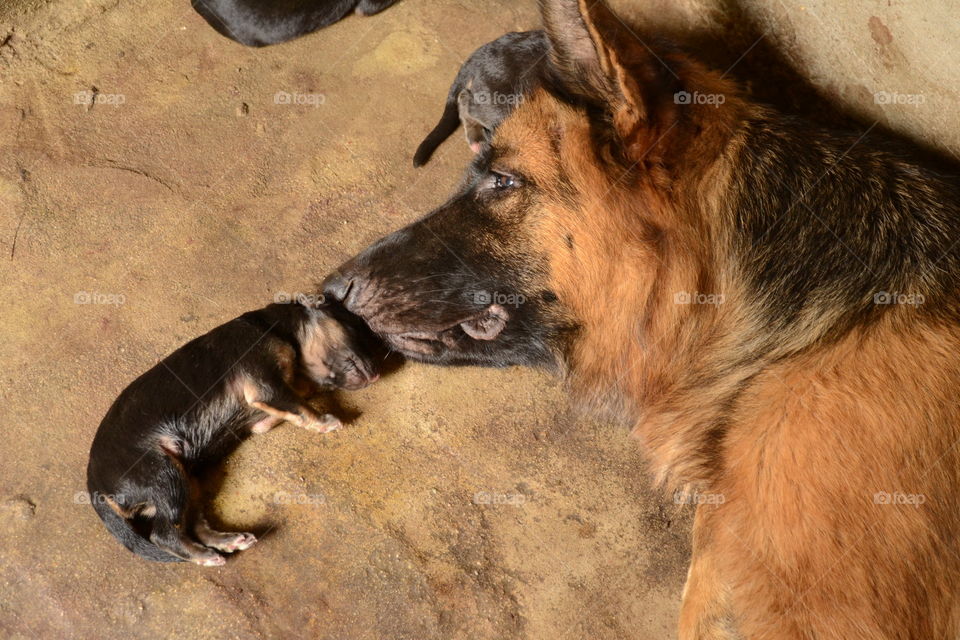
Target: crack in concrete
(24, 177)
(111, 164)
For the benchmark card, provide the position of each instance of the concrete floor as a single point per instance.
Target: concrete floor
(186, 195)
(460, 503)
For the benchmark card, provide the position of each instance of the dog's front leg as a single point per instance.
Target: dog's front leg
(280, 402)
(705, 613)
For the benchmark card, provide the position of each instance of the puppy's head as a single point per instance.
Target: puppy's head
(337, 349)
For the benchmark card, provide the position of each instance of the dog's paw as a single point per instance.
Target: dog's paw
(211, 560)
(324, 424)
(242, 542)
(230, 542)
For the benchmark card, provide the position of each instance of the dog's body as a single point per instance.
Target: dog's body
(772, 307)
(488, 87)
(192, 408)
(258, 23)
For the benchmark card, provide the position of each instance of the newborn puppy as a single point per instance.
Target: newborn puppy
(197, 404)
(489, 86)
(257, 23)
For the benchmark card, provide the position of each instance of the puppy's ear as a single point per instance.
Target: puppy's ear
(597, 58)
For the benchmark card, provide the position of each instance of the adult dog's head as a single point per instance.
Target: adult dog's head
(641, 225)
(563, 225)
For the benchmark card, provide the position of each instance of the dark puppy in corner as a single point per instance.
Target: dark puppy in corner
(257, 23)
(489, 86)
(192, 408)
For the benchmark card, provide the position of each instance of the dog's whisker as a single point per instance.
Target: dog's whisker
(435, 275)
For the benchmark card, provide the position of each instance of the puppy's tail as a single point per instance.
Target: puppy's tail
(449, 122)
(122, 531)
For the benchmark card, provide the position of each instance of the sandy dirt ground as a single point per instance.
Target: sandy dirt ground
(152, 186)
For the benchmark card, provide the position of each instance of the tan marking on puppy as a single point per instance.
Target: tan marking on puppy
(322, 423)
(226, 542)
(250, 390)
(292, 418)
(265, 424)
(120, 511)
(171, 448)
(286, 357)
(317, 338)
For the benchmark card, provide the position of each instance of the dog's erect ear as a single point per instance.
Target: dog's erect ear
(598, 58)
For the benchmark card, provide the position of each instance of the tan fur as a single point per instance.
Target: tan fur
(803, 531)
(317, 339)
(120, 511)
(799, 547)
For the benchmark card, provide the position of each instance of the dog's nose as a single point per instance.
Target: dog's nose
(337, 286)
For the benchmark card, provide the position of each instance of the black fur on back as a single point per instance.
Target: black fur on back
(257, 23)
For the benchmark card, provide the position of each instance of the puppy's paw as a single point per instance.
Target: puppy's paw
(240, 542)
(323, 424)
(210, 560)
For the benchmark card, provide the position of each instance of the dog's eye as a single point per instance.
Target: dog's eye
(503, 181)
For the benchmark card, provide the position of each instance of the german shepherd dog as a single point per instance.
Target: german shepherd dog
(772, 306)
(258, 23)
(197, 404)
